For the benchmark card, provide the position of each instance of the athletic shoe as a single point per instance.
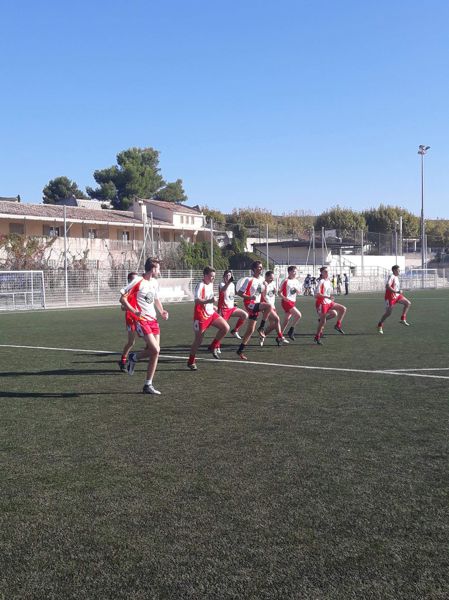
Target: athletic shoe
(236, 334)
(281, 340)
(261, 341)
(339, 329)
(132, 362)
(241, 356)
(380, 330)
(291, 336)
(150, 389)
(261, 332)
(192, 366)
(216, 353)
(403, 322)
(122, 366)
(218, 350)
(318, 341)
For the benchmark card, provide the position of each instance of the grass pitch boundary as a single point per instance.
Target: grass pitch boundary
(397, 372)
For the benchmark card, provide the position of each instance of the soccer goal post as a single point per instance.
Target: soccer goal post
(22, 290)
(420, 279)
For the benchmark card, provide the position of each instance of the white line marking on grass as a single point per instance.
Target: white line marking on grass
(420, 369)
(247, 362)
(60, 349)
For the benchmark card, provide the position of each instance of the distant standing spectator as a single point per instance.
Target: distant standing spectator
(346, 282)
(334, 283)
(339, 282)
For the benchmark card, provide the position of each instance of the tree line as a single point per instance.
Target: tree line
(136, 175)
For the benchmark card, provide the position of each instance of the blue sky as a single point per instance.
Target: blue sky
(294, 105)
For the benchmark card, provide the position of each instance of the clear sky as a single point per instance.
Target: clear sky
(287, 105)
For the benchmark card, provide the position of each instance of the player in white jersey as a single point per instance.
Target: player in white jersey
(288, 290)
(274, 322)
(141, 299)
(130, 328)
(205, 316)
(325, 305)
(226, 305)
(250, 289)
(393, 296)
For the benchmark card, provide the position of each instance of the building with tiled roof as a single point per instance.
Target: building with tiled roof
(106, 234)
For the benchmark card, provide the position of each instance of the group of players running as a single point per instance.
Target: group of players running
(140, 299)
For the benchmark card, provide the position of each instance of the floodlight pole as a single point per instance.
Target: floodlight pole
(422, 150)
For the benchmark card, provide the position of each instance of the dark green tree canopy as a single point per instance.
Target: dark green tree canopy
(136, 175)
(61, 188)
(341, 219)
(172, 192)
(385, 218)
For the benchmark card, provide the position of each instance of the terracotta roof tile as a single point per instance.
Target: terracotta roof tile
(51, 211)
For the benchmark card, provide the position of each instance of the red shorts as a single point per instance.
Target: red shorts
(323, 309)
(144, 327)
(203, 325)
(227, 313)
(287, 305)
(390, 302)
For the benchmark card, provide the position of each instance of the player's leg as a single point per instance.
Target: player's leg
(126, 349)
(223, 328)
(340, 312)
(294, 316)
(153, 349)
(265, 314)
(384, 317)
(406, 305)
(250, 328)
(197, 340)
(242, 317)
(320, 328)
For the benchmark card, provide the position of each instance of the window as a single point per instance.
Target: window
(124, 236)
(51, 231)
(18, 228)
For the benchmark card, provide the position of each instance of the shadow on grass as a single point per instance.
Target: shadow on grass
(39, 395)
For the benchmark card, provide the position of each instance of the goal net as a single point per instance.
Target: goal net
(419, 279)
(21, 290)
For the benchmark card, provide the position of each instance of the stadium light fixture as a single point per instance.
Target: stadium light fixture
(422, 150)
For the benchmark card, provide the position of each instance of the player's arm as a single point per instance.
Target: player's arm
(242, 294)
(283, 290)
(127, 306)
(162, 312)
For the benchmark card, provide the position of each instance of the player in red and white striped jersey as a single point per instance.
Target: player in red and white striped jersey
(325, 305)
(206, 316)
(226, 306)
(274, 322)
(141, 299)
(250, 289)
(130, 328)
(288, 291)
(393, 296)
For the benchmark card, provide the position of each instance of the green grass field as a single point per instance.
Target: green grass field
(242, 481)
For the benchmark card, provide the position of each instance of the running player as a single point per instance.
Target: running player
(250, 290)
(274, 322)
(140, 298)
(204, 316)
(325, 305)
(288, 291)
(130, 327)
(393, 296)
(226, 307)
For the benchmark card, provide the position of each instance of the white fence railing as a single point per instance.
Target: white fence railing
(102, 286)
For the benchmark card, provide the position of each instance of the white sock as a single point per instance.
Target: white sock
(149, 382)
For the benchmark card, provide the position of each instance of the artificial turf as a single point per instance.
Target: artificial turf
(241, 480)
